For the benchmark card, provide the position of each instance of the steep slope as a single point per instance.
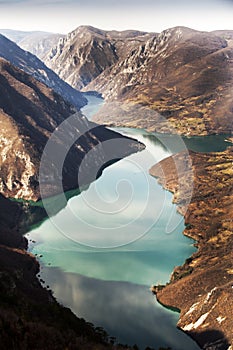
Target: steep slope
(37, 42)
(202, 287)
(86, 52)
(33, 66)
(182, 75)
(29, 114)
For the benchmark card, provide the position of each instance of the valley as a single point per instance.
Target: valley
(81, 125)
(179, 79)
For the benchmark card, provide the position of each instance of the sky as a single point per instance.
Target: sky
(62, 16)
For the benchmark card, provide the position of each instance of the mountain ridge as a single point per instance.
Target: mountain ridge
(181, 77)
(27, 125)
(36, 42)
(87, 51)
(30, 64)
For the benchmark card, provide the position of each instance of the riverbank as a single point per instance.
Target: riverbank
(30, 316)
(202, 287)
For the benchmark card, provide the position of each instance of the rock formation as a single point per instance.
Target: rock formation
(87, 52)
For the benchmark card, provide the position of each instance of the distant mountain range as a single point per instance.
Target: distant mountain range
(181, 74)
(32, 65)
(37, 42)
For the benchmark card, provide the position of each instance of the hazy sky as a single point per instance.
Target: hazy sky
(149, 15)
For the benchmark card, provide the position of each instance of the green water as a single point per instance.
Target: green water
(102, 252)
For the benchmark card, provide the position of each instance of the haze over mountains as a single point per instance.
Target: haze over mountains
(37, 42)
(32, 65)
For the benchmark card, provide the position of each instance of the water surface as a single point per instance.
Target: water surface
(103, 251)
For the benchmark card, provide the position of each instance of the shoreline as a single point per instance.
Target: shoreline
(197, 288)
(29, 313)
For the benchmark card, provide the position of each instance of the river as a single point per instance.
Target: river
(125, 236)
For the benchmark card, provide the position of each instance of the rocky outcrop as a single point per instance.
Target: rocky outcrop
(87, 52)
(31, 65)
(29, 114)
(202, 289)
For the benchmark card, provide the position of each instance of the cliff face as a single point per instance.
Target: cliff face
(31, 65)
(29, 114)
(202, 287)
(87, 52)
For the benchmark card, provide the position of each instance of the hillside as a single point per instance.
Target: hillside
(202, 287)
(86, 52)
(32, 65)
(181, 80)
(26, 126)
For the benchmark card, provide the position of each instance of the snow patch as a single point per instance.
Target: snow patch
(198, 323)
(209, 295)
(220, 319)
(192, 308)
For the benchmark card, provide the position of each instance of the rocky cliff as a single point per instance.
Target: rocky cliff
(87, 52)
(29, 114)
(31, 65)
(202, 289)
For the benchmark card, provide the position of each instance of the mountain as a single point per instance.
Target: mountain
(86, 52)
(29, 114)
(181, 79)
(37, 42)
(178, 81)
(33, 66)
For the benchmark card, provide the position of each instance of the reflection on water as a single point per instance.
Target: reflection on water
(127, 311)
(94, 282)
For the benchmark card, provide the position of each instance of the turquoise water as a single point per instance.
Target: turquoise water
(102, 252)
